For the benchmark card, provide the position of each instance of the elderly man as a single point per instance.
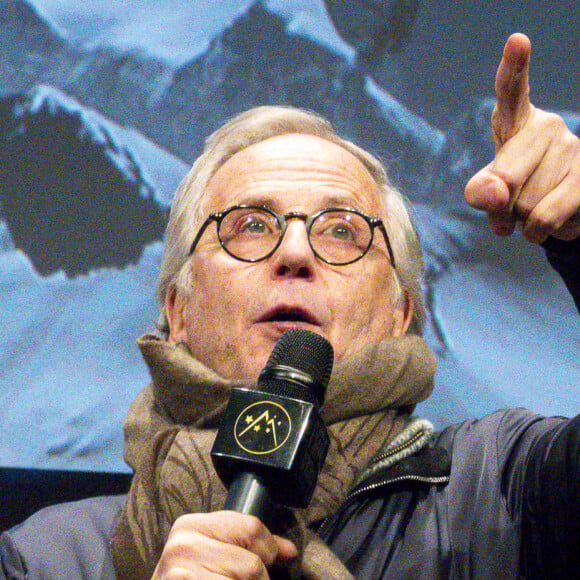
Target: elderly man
(281, 225)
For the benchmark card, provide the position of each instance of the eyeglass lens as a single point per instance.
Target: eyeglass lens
(336, 236)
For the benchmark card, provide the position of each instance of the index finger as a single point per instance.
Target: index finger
(512, 89)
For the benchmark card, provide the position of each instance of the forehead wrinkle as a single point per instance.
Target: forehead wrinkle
(271, 167)
(328, 172)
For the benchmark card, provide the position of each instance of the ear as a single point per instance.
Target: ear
(403, 314)
(175, 304)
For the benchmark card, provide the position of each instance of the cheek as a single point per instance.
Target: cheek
(207, 308)
(364, 315)
(217, 295)
(216, 321)
(384, 306)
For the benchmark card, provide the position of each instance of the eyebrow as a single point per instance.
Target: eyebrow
(334, 201)
(342, 201)
(259, 201)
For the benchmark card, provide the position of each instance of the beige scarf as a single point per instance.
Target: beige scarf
(171, 426)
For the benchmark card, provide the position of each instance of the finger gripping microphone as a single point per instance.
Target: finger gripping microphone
(272, 442)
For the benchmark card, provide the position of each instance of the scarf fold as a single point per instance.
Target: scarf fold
(171, 427)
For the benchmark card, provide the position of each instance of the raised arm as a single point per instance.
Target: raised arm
(534, 178)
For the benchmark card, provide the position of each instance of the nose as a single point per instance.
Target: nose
(294, 257)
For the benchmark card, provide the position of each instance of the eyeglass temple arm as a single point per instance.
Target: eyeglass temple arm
(381, 226)
(212, 217)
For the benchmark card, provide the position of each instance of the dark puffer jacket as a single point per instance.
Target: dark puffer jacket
(509, 506)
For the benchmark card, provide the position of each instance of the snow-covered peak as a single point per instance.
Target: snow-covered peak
(181, 30)
(403, 120)
(126, 147)
(309, 18)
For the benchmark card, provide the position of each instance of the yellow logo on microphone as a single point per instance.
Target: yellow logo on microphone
(262, 427)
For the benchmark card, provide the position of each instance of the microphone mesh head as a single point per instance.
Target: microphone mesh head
(307, 352)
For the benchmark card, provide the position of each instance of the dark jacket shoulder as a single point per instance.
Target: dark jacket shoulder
(69, 540)
(564, 257)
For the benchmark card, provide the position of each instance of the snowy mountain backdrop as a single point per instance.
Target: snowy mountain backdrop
(102, 109)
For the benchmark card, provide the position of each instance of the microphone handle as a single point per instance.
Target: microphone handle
(248, 495)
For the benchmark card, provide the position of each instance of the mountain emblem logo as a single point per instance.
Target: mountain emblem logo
(262, 427)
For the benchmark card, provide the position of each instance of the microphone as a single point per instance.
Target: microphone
(272, 442)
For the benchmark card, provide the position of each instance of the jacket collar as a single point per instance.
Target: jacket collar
(410, 457)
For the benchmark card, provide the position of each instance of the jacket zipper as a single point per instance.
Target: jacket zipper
(385, 483)
(401, 447)
(351, 496)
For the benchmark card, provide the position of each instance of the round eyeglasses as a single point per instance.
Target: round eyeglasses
(336, 236)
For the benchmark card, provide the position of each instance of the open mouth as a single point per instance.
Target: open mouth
(287, 314)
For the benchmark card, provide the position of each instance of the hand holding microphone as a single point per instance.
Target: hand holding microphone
(221, 545)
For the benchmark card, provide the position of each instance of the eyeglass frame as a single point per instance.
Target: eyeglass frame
(282, 219)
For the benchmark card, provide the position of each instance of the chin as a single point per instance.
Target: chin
(251, 367)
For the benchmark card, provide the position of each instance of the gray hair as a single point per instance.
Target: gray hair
(188, 208)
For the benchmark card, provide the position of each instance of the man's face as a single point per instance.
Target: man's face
(235, 311)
